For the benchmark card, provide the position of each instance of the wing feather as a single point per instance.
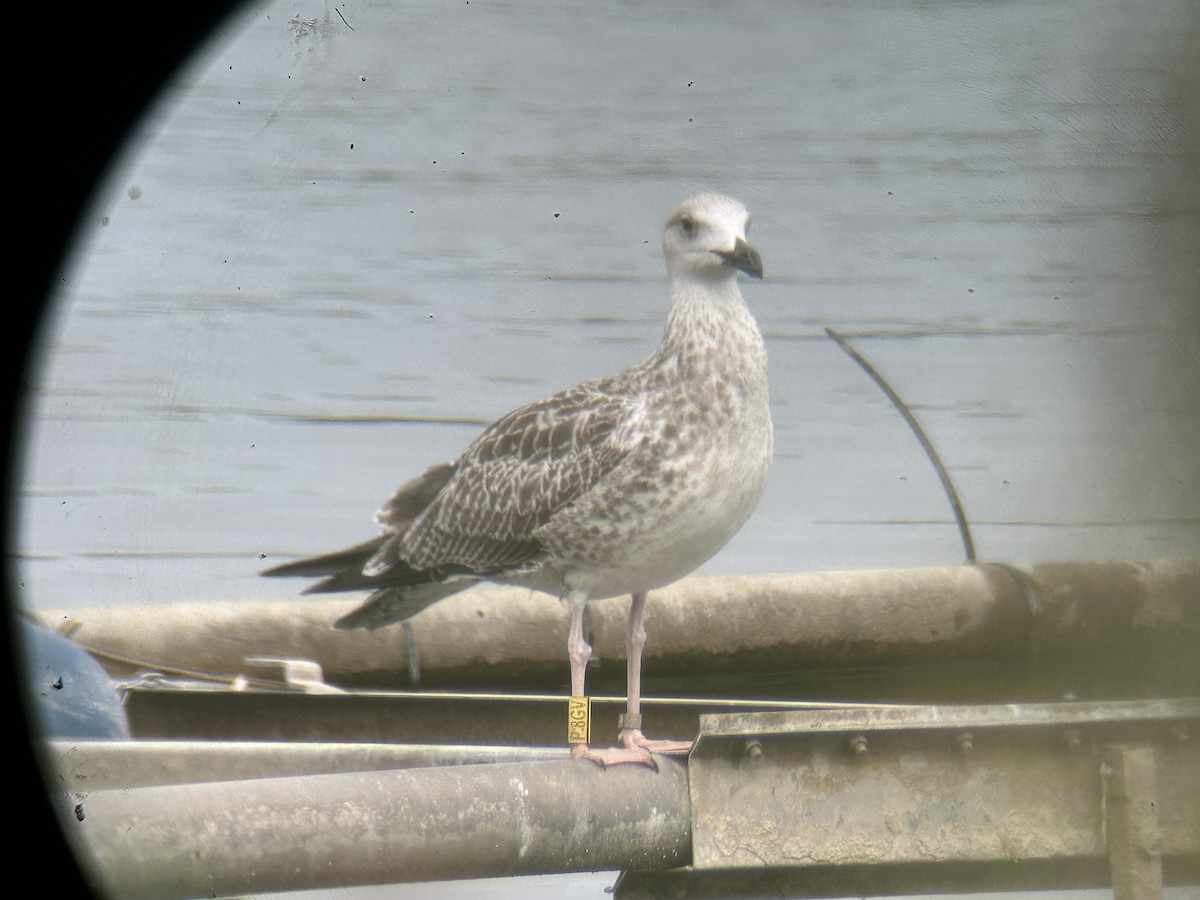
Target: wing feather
(514, 477)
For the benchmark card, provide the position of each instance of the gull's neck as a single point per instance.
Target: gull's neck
(709, 325)
(709, 306)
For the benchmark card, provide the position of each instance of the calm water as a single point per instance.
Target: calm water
(333, 254)
(337, 249)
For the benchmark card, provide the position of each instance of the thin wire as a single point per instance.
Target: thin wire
(947, 485)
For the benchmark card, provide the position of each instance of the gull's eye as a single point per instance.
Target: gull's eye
(688, 225)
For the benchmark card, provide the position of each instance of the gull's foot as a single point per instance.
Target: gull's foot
(615, 756)
(635, 749)
(633, 737)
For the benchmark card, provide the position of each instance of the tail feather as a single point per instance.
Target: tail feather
(395, 604)
(343, 570)
(333, 563)
(400, 591)
(355, 579)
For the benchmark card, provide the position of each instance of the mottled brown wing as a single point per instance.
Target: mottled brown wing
(414, 496)
(516, 475)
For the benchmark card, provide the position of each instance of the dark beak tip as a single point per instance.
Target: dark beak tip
(749, 262)
(744, 258)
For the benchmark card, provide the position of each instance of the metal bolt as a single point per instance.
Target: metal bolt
(753, 749)
(1180, 731)
(966, 742)
(858, 744)
(1073, 737)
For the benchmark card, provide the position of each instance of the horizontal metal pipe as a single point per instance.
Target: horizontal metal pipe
(740, 623)
(309, 832)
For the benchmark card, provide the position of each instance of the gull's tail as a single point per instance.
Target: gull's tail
(400, 591)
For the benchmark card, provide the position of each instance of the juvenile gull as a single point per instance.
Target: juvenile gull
(615, 486)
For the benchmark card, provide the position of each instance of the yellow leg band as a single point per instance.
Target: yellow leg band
(579, 720)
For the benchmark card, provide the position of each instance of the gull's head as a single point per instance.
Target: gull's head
(706, 240)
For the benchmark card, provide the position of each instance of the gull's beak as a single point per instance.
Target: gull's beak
(742, 257)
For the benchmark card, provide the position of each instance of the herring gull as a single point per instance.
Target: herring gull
(618, 485)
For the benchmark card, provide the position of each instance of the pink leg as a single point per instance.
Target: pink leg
(634, 748)
(579, 651)
(635, 641)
